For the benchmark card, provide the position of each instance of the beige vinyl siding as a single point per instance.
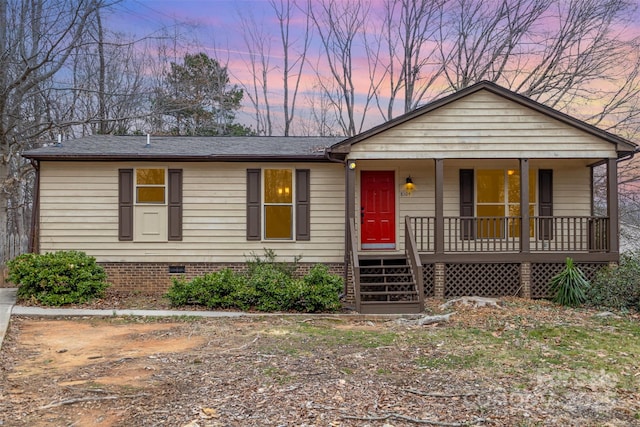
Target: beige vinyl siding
(79, 210)
(482, 125)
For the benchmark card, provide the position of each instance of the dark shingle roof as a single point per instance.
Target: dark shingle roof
(185, 148)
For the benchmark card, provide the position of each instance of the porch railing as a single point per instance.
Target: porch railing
(571, 234)
(502, 234)
(413, 258)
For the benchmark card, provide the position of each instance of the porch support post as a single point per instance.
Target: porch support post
(439, 206)
(525, 242)
(350, 208)
(612, 204)
(350, 202)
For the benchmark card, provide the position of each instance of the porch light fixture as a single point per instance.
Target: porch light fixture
(409, 186)
(352, 165)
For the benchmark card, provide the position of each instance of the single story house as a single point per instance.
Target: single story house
(482, 192)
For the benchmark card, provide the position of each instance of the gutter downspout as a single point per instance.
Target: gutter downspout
(327, 156)
(34, 241)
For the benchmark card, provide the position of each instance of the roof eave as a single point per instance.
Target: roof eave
(164, 158)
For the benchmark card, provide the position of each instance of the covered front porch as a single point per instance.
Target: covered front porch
(454, 250)
(504, 193)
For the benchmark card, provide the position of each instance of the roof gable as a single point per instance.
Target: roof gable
(453, 101)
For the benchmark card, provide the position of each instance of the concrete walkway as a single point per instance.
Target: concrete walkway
(7, 300)
(8, 307)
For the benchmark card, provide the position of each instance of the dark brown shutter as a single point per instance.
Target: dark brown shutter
(175, 204)
(467, 228)
(303, 205)
(253, 204)
(545, 205)
(125, 204)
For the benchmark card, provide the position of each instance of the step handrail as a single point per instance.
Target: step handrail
(355, 262)
(414, 260)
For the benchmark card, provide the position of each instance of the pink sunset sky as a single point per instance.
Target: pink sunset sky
(213, 26)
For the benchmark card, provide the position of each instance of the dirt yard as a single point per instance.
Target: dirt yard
(525, 364)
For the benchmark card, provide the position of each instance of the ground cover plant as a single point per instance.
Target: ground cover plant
(528, 363)
(57, 278)
(267, 285)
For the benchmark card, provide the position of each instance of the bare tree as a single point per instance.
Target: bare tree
(483, 40)
(36, 40)
(266, 57)
(340, 26)
(294, 53)
(409, 30)
(258, 44)
(578, 50)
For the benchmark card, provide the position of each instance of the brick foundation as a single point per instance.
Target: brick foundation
(150, 278)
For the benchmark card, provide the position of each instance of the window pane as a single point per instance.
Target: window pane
(531, 221)
(514, 186)
(532, 187)
(490, 186)
(150, 176)
(150, 195)
(278, 222)
(513, 181)
(490, 227)
(277, 186)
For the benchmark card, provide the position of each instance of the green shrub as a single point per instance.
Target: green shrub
(569, 286)
(321, 291)
(617, 287)
(267, 286)
(57, 278)
(269, 259)
(272, 286)
(212, 290)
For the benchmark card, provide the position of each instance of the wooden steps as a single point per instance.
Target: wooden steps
(387, 286)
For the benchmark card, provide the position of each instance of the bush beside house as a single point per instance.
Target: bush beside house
(57, 278)
(618, 287)
(267, 286)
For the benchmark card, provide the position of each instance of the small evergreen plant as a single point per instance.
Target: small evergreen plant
(569, 286)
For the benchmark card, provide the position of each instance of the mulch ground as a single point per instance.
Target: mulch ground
(291, 371)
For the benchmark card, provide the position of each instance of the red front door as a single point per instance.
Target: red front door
(377, 210)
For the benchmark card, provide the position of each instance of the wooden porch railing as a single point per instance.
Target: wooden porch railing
(571, 234)
(482, 234)
(414, 260)
(355, 262)
(502, 234)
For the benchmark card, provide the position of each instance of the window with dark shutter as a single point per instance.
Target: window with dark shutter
(125, 204)
(467, 228)
(303, 205)
(545, 204)
(175, 204)
(254, 229)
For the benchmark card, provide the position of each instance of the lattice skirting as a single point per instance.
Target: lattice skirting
(428, 277)
(486, 279)
(542, 273)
